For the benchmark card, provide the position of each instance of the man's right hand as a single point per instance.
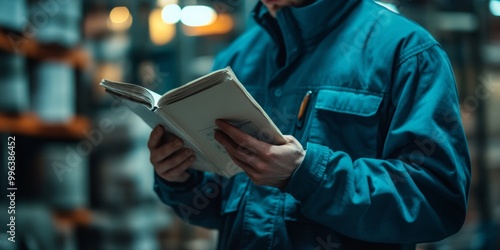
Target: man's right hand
(169, 157)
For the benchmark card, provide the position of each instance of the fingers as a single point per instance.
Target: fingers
(169, 158)
(292, 140)
(241, 138)
(155, 137)
(179, 173)
(230, 147)
(242, 157)
(235, 150)
(247, 168)
(167, 149)
(173, 161)
(159, 148)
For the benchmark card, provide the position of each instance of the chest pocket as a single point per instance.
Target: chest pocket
(346, 121)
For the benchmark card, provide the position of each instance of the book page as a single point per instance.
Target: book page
(196, 114)
(194, 86)
(140, 109)
(131, 91)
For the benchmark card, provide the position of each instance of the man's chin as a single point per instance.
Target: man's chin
(274, 9)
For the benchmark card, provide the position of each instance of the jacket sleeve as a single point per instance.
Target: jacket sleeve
(418, 190)
(197, 201)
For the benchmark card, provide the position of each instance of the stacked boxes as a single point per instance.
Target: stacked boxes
(54, 95)
(14, 89)
(13, 14)
(66, 174)
(56, 21)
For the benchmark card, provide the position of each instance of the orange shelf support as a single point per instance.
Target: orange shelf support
(29, 124)
(16, 43)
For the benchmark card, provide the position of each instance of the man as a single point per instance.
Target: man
(377, 158)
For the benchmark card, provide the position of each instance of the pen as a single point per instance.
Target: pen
(303, 108)
(303, 105)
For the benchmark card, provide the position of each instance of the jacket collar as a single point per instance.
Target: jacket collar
(294, 29)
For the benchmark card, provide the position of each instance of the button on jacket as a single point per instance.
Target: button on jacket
(386, 164)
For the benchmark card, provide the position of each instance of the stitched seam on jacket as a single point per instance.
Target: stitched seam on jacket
(416, 51)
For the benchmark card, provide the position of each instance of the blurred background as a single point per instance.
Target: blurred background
(82, 172)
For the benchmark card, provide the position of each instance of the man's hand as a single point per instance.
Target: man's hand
(265, 164)
(169, 157)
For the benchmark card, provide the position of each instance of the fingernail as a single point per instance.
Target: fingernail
(178, 142)
(189, 152)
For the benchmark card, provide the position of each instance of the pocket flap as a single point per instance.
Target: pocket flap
(348, 102)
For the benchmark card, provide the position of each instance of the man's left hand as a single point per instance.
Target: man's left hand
(266, 164)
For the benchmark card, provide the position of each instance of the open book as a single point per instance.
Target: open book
(190, 112)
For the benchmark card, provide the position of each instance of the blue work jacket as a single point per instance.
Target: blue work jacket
(386, 165)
